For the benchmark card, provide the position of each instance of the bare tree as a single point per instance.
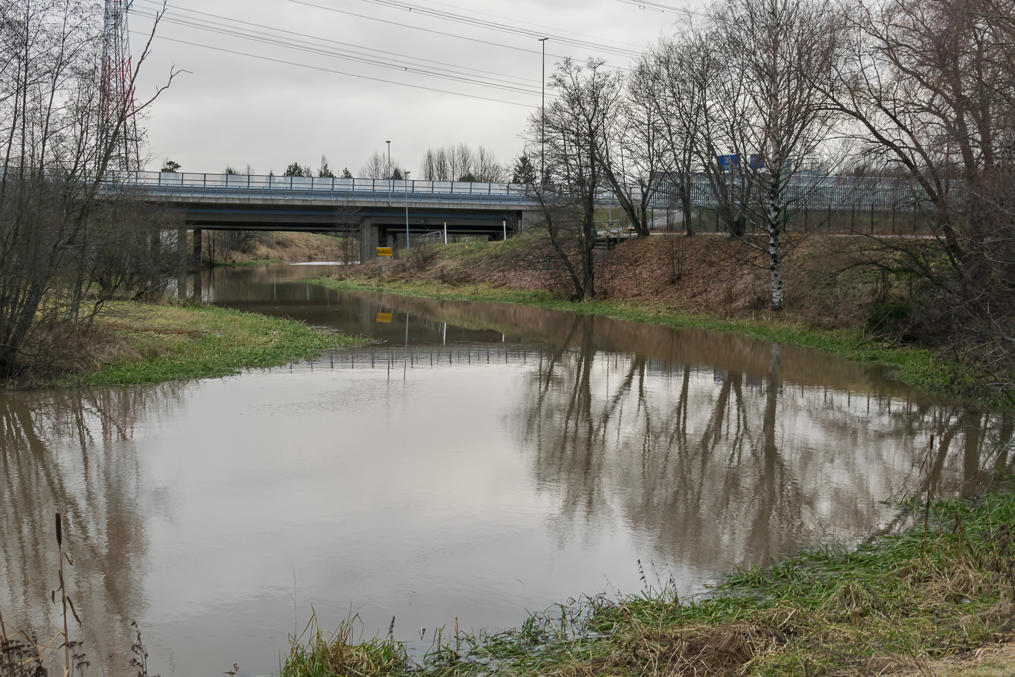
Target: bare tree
(378, 167)
(929, 87)
(460, 163)
(673, 79)
(576, 124)
(57, 144)
(781, 56)
(632, 150)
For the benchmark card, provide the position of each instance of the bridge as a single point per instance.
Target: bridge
(381, 211)
(387, 212)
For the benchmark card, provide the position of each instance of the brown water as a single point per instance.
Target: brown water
(477, 461)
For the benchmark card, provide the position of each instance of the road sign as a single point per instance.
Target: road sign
(384, 251)
(384, 318)
(728, 162)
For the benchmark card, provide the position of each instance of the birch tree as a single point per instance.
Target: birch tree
(780, 52)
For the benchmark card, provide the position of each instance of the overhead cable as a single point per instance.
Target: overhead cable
(398, 58)
(321, 51)
(334, 71)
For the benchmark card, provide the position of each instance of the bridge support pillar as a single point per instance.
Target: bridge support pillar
(197, 265)
(181, 262)
(369, 240)
(531, 219)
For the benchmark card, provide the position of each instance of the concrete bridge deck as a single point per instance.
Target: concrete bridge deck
(381, 211)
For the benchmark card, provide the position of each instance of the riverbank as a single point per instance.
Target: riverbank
(245, 248)
(132, 343)
(937, 599)
(834, 296)
(919, 367)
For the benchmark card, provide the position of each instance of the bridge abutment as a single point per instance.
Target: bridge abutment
(369, 240)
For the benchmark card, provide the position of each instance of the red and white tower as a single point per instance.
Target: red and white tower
(119, 119)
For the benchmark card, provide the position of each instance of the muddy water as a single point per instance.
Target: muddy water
(475, 461)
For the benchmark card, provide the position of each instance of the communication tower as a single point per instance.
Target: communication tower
(116, 94)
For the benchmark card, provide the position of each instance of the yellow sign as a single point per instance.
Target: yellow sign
(384, 318)
(384, 251)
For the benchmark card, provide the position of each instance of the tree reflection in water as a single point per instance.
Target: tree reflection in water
(730, 465)
(73, 451)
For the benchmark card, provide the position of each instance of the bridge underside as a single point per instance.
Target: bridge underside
(375, 225)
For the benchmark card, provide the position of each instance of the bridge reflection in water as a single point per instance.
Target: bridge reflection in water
(478, 461)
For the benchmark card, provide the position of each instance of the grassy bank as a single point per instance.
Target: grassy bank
(141, 343)
(919, 367)
(920, 602)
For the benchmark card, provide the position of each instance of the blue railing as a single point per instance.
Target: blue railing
(305, 186)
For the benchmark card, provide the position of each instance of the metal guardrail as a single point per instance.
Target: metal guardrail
(824, 192)
(389, 190)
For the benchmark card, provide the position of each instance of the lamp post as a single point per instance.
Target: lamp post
(542, 115)
(407, 244)
(387, 170)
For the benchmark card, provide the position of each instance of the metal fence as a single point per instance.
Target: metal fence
(836, 193)
(383, 189)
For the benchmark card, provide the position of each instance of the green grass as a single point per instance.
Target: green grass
(893, 604)
(315, 654)
(170, 342)
(919, 367)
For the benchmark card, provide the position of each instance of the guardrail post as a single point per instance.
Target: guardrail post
(204, 180)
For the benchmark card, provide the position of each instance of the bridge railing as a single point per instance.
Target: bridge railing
(831, 192)
(378, 188)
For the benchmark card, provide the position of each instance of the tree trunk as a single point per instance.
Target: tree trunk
(772, 215)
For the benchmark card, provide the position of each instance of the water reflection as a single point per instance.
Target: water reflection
(474, 461)
(74, 451)
(725, 465)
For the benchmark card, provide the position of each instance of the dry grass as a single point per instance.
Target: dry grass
(282, 246)
(706, 273)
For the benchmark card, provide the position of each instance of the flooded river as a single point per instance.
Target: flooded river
(475, 462)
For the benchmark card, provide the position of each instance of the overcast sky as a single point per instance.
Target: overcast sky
(288, 90)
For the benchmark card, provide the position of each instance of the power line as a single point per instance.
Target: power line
(334, 71)
(311, 49)
(542, 30)
(398, 57)
(425, 30)
(660, 7)
(503, 27)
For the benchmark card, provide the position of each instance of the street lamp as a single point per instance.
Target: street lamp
(407, 244)
(542, 113)
(387, 170)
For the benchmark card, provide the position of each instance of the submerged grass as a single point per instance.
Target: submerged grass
(244, 264)
(152, 343)
(891, 606)
(917, 366)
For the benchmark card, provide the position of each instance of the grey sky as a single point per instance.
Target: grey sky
(244, 106)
